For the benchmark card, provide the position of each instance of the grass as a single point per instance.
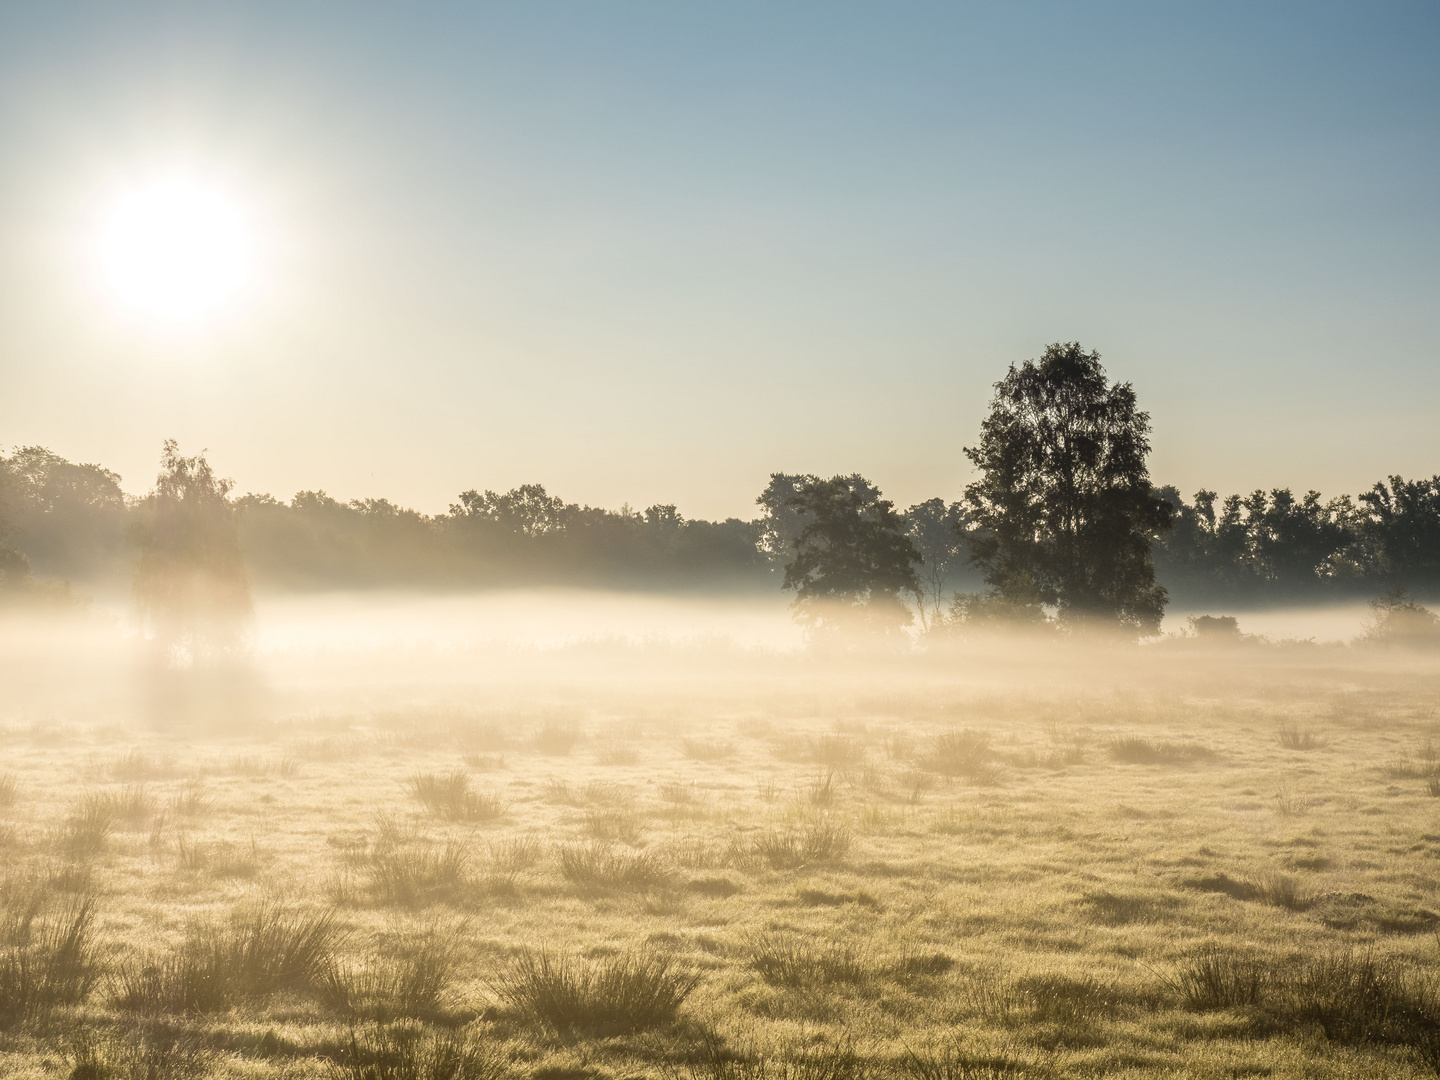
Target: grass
(923, 868)
(1293, 737)
(622, 993)
(47, 961)
(449, 797)
(9, 790)
(410, 1051)
(599, 867)
(818, 843)
(1132, 750)
(252, 958)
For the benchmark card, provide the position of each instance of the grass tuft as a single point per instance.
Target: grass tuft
(1131, 750)
(449, 797)
(626, 992)
(408, 1051)
(820, 842)
(962, 753)
(597, 867)
(251, 959)
(46, 962)
(409, 978)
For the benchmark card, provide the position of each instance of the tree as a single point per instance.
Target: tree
(1063, 508)
(191, 589)
(852, 563)
(938, 532)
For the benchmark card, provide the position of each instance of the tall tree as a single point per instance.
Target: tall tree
(191, 588)
(937, 530)
(852, 564)
(1063, 507)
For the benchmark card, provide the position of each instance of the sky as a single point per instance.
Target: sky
(652, 252)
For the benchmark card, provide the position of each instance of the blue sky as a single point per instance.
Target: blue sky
(652, 252)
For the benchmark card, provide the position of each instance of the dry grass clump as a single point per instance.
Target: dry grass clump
(613, 754)
(614, 824)
(1423, 764)
(135, 767)
(1132, 750)
(152, 1052)
(250, 959)
(1293, 737)
(449, 797)
(513, 856)
(9, 790)
(817, 843)
(1220, 978)
(89, 825)
(410, 1051)
(411, 873)
(1052, 1008)
(836, 751)
(45, 961)
(219, 858)
(712, 1060)
(788, 960)
(962, 753)
(484, 762)
(627, 992)
(1277, 890)
(953, 1062)
(598, 867)
(556, 740)
(408, 977)
(700, 750)
(679, 792)
(190, 801)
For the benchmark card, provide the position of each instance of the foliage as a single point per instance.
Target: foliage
(1063, 507)
(853, 563)
(191, 587)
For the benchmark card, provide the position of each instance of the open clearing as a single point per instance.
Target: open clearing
(628, 860)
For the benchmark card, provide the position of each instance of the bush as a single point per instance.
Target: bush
(598, 867)
(450, 797)
(407, 1051)
(253, 958)
(627, 992)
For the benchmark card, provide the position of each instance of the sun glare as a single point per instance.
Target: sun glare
(176, 252)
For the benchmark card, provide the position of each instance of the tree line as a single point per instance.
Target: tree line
(1062, 523)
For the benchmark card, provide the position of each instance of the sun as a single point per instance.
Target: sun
(176, 252)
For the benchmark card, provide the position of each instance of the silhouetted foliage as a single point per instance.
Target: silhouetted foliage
(938, 531)
(853, 562)
(190, 583)
(1063, 508)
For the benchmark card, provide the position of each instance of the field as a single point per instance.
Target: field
(702, 862)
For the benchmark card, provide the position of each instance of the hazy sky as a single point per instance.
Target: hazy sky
(654, 251)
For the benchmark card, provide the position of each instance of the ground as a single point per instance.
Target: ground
(618, 860)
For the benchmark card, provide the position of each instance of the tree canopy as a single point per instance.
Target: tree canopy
(1063, 509)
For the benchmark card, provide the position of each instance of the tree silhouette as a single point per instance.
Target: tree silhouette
(191, 590)
(1064, 508)
(852, 561)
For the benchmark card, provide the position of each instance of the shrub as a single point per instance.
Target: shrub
(46, 962)
(251, 959)
(627, 992)
(597, 866)
(408, 1051)
(450, 797)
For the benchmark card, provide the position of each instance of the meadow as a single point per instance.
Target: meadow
(705, 862)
